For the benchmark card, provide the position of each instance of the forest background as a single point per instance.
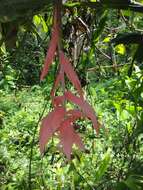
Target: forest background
(104, 42)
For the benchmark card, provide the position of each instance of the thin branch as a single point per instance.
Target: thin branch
(107, 67)
(105, 55)
(32, 145)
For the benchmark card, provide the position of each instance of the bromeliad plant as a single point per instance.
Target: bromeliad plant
(62, 120)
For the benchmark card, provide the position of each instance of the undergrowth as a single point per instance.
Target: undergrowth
(111, 159)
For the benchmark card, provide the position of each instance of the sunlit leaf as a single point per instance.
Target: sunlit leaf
(50, 53)
(83, 104)
(71, 74)
(49, 125)
(120, 49)
(68, 137)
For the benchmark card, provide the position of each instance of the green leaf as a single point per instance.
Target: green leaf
(121, 186)
(118, 4)
(139, 54)
(104, 165)
(36, 20)
(134, 182)
(100, 27)
(120, 49)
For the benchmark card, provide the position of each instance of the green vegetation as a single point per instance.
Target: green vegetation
(105, 46)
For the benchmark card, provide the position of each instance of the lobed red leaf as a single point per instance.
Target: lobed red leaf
(68, 137)
(74, 114)
(49, 125)
(85, 106)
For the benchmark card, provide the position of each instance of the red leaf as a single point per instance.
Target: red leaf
(49, 125)
(74, 114)
(86, 108)
(58, 100)
(83, 104)
(57, 81)
(68, 137)
(53, 43)
(50, 53)
(71, 74)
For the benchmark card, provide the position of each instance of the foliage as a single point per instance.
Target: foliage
(114, 156)
(103, 40)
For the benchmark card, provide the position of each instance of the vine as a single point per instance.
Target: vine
(61, 120)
